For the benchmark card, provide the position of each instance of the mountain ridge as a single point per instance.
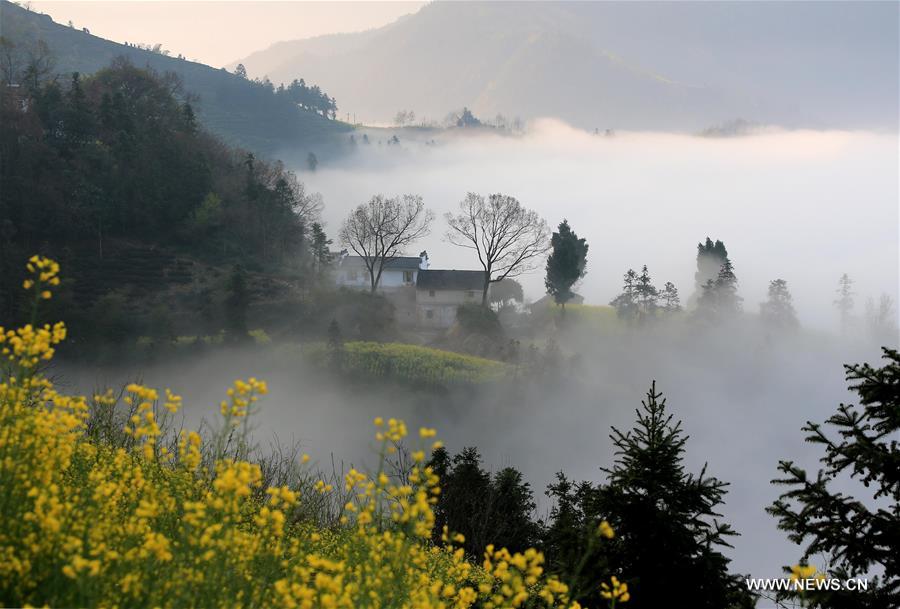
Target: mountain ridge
(763, 63)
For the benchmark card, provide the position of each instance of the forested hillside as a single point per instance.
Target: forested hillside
(112, 174)
(242, 112)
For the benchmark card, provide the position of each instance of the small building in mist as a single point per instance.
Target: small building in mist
(400, 272)
(439, 293)
(423, 297)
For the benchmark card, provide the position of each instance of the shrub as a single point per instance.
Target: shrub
(99, 510)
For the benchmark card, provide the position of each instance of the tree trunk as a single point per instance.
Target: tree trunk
(484, 291)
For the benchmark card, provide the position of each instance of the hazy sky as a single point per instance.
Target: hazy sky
(219, 32)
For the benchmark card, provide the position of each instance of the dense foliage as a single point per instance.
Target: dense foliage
(668, 533)
(566, 263)
(96, 165)
(859, 531)
(486, 508)
(244, 112)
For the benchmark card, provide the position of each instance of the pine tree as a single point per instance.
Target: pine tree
(719, 299)
(319, 246)
(626, 302)
(486, 509)
(646, 295)
(778, 311)
(710, 258)
(565, 264)
(860, 531)
(844, 302)
(668, 535)
(671, 303)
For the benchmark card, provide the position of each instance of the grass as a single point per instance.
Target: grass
(409, 364)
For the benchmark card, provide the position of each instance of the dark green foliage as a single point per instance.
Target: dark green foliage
(475, 319)
(236, 304)
(506, 292)
(778, 310)
(319, 247)
(486, 509)
(116, 161)
(566, 263)
(639, 300)
(668, 533)
(859, 530)
(248, 113)
(710, 258)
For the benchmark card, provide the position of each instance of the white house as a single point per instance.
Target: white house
(422, 297)
(400, 272)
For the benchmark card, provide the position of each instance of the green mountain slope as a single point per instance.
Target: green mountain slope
(239, 111)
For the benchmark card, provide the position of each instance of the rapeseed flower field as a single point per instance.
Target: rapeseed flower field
(156, 521)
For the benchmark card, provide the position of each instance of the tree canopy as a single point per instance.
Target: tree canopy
(566, 264)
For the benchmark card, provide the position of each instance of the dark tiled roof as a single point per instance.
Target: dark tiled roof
(401, 262)
(450, 280)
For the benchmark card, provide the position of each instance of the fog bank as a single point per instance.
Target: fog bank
(804, 206)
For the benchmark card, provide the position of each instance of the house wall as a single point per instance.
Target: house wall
(390, 278)
(437, 308)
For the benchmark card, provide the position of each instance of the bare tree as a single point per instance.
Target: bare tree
(379, 231)
(508, 238)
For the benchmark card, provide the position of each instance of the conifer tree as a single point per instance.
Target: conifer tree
(565, 264)
(671, 303)
(778, 310)
(646, 295)
(668, 535)
(858, 530)
(626, 302)
(710, 258)
(844, 302)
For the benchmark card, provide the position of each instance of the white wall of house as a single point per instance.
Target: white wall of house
(358, 277)
(437, 308)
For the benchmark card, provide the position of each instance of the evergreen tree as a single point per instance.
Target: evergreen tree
(312, 161)
(240, 71)
(668, 535)
(485, 509)
(236, 304)
(778, 311)
(626, 303)
(859, 531)
(671, 303)
(844, 302)
(319, 245)
(646, 295)
(710, 258)
(719, 299)
(565, 264)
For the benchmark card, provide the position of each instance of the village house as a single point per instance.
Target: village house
(423, 297)
(439, 293)
(400, 272)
